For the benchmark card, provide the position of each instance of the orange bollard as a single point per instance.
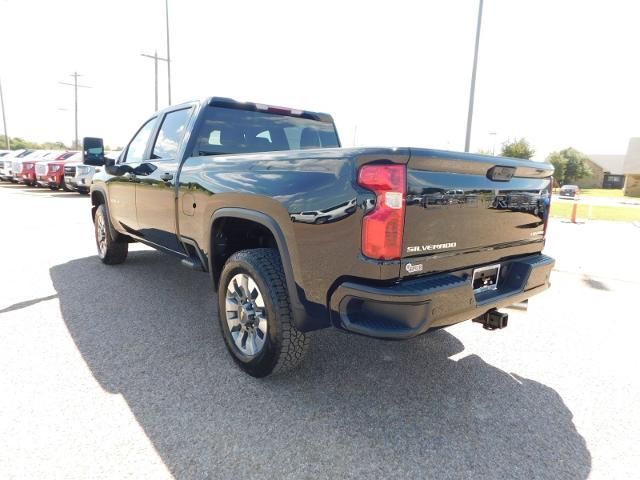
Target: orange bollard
(574, 212)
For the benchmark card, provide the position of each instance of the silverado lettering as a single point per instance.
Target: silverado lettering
(427, 248)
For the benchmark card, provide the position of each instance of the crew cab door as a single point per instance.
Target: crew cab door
(122, 188)
(156, 177)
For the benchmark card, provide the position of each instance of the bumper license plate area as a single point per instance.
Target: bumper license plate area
(486, 278)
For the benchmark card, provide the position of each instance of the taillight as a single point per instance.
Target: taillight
(382, 228)
(547, 212)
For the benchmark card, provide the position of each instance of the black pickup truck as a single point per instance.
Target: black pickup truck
(299, 234)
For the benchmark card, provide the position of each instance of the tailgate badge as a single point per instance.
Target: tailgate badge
(499, 173)
(429, 248)
(413, 268)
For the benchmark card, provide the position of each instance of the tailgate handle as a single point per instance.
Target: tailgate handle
(500, 173)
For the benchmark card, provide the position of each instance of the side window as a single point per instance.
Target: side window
(136, 148)
(174, 126)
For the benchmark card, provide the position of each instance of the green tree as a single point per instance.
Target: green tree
(570, 165)
(18, 143)
(484, 151)
(517, 148)
(559, 164)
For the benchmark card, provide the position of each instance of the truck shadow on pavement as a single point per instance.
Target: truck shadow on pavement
(357, 407)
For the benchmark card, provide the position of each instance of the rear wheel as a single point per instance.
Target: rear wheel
(255, 314)
(111, 251)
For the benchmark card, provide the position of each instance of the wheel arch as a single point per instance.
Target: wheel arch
(304, 321)
(97, 198)
(262, 219)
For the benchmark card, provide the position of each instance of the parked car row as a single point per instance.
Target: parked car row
(54, 169)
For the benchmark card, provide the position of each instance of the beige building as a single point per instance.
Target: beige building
(607, 172)
(631, 168)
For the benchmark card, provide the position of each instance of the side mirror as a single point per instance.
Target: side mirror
(93, 151)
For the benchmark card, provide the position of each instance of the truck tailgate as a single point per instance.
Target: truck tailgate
(460, 203)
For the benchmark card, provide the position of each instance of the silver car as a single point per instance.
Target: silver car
(84, 173)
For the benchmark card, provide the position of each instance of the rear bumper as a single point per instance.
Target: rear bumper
(411, 307)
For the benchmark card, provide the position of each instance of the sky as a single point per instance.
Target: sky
(560, 73)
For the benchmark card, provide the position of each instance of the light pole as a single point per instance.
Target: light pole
(75, 86)
(155, 67)
(493, 148)
(4, 119)
(166, 5)
(467, 141)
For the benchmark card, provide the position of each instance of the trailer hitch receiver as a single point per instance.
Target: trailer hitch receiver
(493, 320)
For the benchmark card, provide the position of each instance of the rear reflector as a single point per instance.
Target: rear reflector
(382, 228)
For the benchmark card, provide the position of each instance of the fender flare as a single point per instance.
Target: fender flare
(299, 311)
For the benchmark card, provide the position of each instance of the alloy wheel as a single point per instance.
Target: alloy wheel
(246, 314)
(101, 235)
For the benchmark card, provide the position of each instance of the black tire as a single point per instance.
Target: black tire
(114, 250)
(284, 345)
(54, 187)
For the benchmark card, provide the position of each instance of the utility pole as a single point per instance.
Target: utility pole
(166, 4)
(467, 141)
(493, 148)
(155, 66)
(4, 119)
(75, 86)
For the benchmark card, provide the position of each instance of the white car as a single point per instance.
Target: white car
(16, 163)
(70, 171)
(83, 174)
(6, 172)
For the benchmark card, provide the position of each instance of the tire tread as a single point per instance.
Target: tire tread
(116, 250)
(293, 343)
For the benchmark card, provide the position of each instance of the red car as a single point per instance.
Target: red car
(51, 173)
(26, 172)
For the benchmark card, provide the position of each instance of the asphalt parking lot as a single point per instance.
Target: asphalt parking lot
(120, 372)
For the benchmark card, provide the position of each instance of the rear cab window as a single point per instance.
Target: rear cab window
(225, 131)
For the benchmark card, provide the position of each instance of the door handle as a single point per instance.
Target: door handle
(166, 177)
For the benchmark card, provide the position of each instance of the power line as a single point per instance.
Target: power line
(75, 86)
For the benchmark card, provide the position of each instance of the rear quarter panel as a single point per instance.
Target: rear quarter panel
(311, 194)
